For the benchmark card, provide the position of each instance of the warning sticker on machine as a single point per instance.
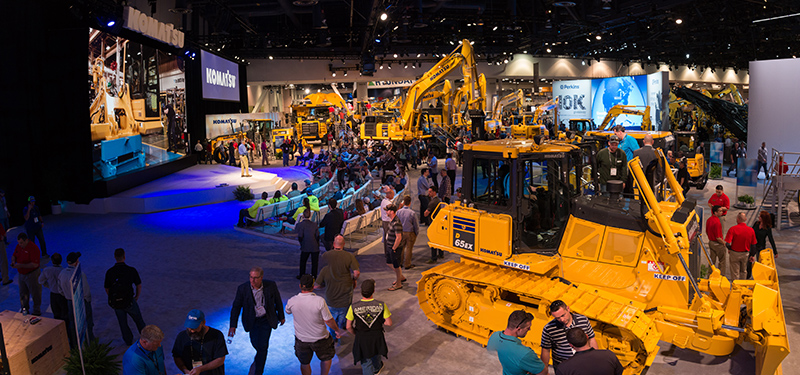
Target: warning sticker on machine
(652, 266)
(523, 267)
(669, 277)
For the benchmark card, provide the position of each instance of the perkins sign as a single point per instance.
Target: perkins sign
(220, 77)
(149, 26)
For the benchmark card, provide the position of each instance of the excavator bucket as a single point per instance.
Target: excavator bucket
(768, 330)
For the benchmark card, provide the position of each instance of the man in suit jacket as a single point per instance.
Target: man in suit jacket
(261, 307)
(308, 236)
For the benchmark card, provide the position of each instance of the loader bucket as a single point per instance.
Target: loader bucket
(768, 320)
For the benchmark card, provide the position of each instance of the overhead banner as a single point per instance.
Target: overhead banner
(220, 77)
(390, 84)
(574, 99)
(153, 28)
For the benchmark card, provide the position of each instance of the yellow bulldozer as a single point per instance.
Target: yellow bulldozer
(530, 231)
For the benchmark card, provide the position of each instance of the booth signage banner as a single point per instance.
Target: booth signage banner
(574, 99)
(78, 308)
(716, 152)
(143, 24)
(231, 123)
(220, 77)
(747, 172)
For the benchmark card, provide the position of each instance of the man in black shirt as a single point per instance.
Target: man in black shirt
(683, 176)
(199, 349)
(587, 360)
(332, 222)
(119, 284)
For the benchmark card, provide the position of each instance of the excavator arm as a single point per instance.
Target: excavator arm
(620, 109)
(514, 97)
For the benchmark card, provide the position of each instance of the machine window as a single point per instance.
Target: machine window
(490, 184)
(546, 191)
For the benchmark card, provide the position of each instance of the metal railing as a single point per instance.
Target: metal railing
(779, 184)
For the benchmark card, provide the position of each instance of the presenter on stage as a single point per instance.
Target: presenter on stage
(243, 160)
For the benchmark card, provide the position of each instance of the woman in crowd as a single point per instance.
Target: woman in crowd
(763, 229)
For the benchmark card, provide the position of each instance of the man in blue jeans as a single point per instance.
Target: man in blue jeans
(123, 287)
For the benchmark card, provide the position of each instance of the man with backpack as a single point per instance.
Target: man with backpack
(119, 284)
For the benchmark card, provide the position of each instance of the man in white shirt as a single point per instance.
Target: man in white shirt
(243, 160)
(387, 200)
(311, 315)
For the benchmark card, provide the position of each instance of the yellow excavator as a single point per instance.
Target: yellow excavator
(528, 234)
(438, 115)
(662, 139)
(533, 124)
(471, 96)
(412, 122)
(515, 98)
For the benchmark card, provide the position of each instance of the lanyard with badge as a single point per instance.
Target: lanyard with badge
(196, 362)
(613, 159)
(260, 309)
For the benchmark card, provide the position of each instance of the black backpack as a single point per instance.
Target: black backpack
(120, 295)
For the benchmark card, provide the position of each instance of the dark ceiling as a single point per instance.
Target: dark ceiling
(712, 33)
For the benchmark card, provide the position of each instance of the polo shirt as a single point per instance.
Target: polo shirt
(554, 336)
(253, 210)
(591, 362)
(740, 236)
(282, 198)
(713, 228)
(409, 220)
(28, 254)
(628, 145)
(314, 202)
(722, 200)
(139, 361)
(310, 313)
(517, 359)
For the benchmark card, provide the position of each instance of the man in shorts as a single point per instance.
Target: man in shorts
(311, 315)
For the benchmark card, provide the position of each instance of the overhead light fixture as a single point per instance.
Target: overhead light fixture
(111, 23)
(308, 90)
(419, 54)
(777, 18)
(679, 21)
(270, 57)
(390, 66)
(333, 74)
(583, 62)
(687, 55)
(598, 37)
(381, 67)
(505, 61)
(395, 55)
(549, 50)
(384, 16)
(606, 4)
(345, 74)
(495, 28)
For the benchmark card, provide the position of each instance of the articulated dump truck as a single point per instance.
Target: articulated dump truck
(532, 229)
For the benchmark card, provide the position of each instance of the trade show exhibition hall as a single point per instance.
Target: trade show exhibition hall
(627, 169)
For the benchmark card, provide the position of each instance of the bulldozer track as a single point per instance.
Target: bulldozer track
(622, 326)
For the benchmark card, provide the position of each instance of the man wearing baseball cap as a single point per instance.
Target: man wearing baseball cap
(65, 279)
(199, 349)
(612, 164)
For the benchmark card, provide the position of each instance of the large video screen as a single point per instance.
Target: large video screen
(137, 105)
(220, 77)
(593, 99)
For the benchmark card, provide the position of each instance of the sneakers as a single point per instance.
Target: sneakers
(431, 261)
(9, 281)
(383, 366)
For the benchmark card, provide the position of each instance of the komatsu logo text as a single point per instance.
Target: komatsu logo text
(491, 252)
(439, 72)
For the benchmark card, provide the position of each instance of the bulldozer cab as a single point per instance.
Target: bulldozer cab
(534, 184)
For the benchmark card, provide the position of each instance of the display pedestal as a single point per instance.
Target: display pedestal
(37, 349)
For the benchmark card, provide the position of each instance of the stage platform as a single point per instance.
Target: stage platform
(193, 186)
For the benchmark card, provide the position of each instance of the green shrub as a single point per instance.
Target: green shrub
(96, 360)
(746, 199)
(715, 171)
(243, 193)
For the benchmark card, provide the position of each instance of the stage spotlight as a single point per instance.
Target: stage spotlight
(679, 21)
(384, 16)
(111, 23)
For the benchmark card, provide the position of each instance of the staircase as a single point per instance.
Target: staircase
(783, 188)
(770, 203)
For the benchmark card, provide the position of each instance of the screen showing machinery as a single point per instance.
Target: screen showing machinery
(137, 105)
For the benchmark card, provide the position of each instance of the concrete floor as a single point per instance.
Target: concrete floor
(192, 258)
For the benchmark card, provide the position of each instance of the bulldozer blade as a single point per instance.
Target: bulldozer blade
(768, 320)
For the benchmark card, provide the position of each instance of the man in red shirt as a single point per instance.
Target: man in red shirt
(716, 243)
(739, 239)
(720, 199)
(26, 260)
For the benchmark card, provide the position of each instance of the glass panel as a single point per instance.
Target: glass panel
(621, 246)
(491, 182)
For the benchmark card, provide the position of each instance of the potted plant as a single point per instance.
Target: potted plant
(746, 201)
(243, 193)
(715, 172)
(96, 358)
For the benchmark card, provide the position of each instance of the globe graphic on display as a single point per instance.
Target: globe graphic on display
(613, 91)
